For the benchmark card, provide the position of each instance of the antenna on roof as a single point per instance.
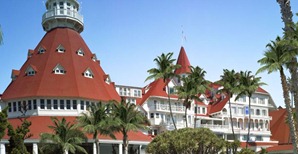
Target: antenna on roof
(183, 37)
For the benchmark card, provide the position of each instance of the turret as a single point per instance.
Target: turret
(62, 13)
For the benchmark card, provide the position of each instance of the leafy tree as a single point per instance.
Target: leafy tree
(165, 71)
(64, 139)
(229, 80)
(275, 58)
(129, 118)
(3, 122)
(248, 84)
(186, 141)
(246, 151)
(193, 85)
(97, 122)
(17, 137)
(231, 146)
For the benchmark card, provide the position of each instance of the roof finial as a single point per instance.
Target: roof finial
(183, 37)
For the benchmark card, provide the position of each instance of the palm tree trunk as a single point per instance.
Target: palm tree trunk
(125, 143)
(195, 122)
(249, 116)
(289, 110)
(185, 114)
(170, 107)
(231, 119)
(287, 14)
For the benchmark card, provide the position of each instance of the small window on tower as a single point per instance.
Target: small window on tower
(60, 49)
(30, 71)
(94, 58)
(59, 69)
(80, 52)
(88, 73)
(41, 50)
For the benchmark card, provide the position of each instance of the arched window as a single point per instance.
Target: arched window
(60, 49)
(88, 73)
(258, 112)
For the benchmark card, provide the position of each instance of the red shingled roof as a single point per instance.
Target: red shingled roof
(71, 84)
(277, 124)
(280, 148)
(184, 62)
(261, 90)
(40, 125)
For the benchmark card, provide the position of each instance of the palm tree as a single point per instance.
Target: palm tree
(248, 84)
(291, 35)
(97, 122)
(229, 80)
(129, 118)
(275, 57)
(64, 139)
(165, 70)
(192, 86)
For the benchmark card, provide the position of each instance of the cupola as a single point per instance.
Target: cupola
(62, 13)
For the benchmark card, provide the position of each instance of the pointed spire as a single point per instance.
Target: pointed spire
(184, 62)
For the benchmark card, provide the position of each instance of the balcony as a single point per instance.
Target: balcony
(72, 15)
(163, 107)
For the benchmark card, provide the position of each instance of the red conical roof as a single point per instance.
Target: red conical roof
(71, 84)
(184, 62)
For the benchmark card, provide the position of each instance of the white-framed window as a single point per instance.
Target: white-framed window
(253, 100)
(30, 71)
(261, 101)
(60, 49)
(240, 110)
(88, 73)
(242, 98)
(41, 50)
(203, 110)
(59, 69)
(264, 112)
(234, 110)
(81, 52)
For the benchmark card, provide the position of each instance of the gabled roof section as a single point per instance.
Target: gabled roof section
(89, 73)
(261, 90)
(60, 48)
(155, 88)
(41, 49)
(184, 62)
(72, 84)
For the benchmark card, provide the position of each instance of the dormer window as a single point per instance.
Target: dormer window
(31, 70)
(107, 79)
(94, 58)
(41, 50)
(59, 69)
(60, 49)
(88, 73)
(80, 52)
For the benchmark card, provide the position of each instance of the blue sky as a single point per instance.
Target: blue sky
(127, 35)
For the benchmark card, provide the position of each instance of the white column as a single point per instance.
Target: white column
(94, 148)
(35, 148)
(140, 148)
(2, 148)
(120, 148)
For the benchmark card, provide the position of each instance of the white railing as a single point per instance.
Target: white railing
(212, 126)
(63, 13)
(167, 108)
